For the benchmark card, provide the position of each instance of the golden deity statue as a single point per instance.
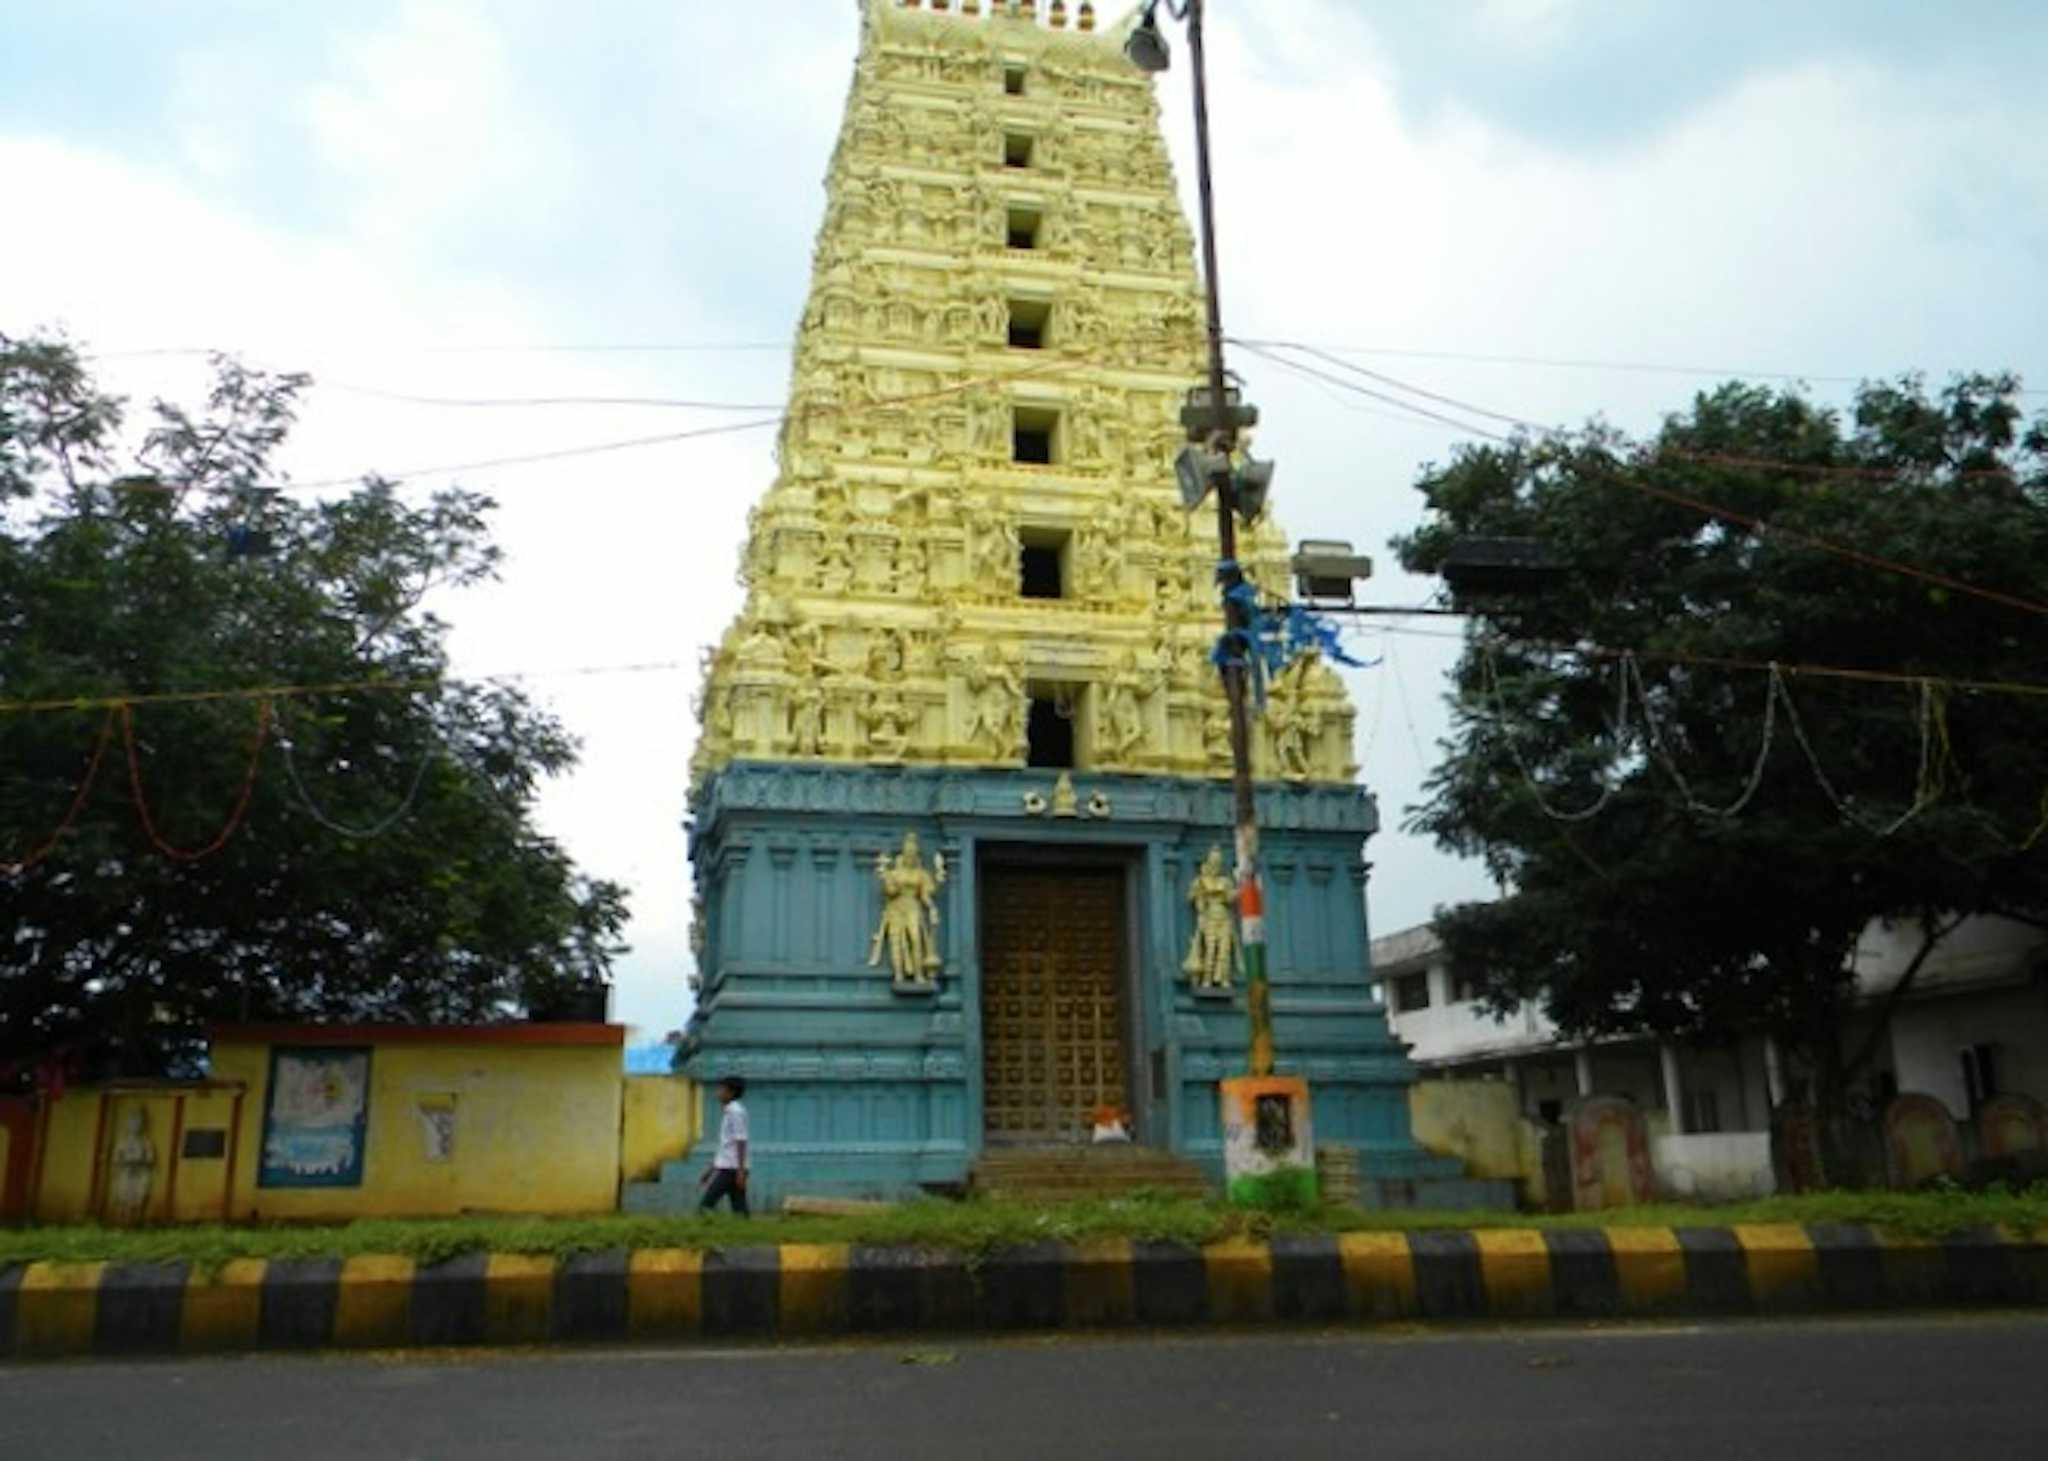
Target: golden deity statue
(1214, 946)
(910, 914)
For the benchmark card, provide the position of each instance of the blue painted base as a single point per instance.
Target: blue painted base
(858, 1090)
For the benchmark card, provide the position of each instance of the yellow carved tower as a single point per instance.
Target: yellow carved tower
(973, 553)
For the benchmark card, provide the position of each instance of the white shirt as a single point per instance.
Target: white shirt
(732, 1134)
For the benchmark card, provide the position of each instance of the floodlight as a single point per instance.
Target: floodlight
(1325, 569)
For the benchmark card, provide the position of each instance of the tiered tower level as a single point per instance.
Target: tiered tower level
(977, 613)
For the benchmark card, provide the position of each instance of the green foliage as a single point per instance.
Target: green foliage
(976, 1227)
(124, 583)
(1860, 799)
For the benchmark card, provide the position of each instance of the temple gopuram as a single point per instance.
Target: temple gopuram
(961, 777)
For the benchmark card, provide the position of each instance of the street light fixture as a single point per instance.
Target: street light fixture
(1146, 47)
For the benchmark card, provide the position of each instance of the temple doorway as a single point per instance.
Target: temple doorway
(1053, 1018)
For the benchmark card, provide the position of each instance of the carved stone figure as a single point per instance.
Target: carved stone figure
(1290, 720)
(1123, 721)
(887, 721)
(909, 930)
(762, 649)
(997, 550)
(1216, 735)
(887, 656)
(807, 718)
(132, 1169)
(995, 704)
(835, 568)
(1214, 946)
(913, 568)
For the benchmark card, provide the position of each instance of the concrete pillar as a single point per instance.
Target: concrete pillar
(1774, 1072)
(1582, 1066)
(1674, 1087)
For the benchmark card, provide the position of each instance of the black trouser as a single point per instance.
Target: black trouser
(724, 1183)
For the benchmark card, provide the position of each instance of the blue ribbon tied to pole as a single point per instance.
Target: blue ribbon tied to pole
(1274, 637)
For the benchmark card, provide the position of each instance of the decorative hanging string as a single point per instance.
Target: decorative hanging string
(264, 713)
(1618, 729)
(1632, 670)
(364, 834)
(1933, 775)
(1272, 637)
(78, 800)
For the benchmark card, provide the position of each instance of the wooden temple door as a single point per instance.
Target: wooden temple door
(1052, 1003)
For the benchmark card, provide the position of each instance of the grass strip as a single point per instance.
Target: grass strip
(972, 1226)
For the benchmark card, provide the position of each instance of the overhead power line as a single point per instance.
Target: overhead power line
(1471, 357)
(1687, 500)
(1622, 367)
(660, 402)
(805, 413)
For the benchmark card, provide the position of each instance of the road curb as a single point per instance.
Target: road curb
(50, 1310)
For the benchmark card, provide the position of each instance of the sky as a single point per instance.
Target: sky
(1557, 209)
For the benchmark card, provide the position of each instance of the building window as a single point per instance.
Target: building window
(1025, 224)
(1013, 80)
(1016, 149)
(1044, 563)
(1028, 321)
(1464, 989)
(1050, 731)
(1411, 993)
(1702, 1112)
(1035, 437)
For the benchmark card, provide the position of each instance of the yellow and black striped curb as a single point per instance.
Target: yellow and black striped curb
(804, 1290)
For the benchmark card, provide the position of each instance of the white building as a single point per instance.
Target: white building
(1974, 1025)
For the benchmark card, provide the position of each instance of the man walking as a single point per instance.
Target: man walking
(728, 1175)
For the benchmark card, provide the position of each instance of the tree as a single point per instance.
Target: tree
(169, 859)
(1690, 843)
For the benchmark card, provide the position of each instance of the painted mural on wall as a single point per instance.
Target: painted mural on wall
(315, 1119)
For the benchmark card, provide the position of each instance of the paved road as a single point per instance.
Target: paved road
(1972, 1387)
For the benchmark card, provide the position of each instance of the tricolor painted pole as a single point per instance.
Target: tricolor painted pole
(1251, 903)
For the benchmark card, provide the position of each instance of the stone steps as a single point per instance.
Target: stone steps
(1073, 1173)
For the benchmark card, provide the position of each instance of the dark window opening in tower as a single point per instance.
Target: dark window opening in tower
(1028, 321)
(1044, 569)
(1050, 735)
